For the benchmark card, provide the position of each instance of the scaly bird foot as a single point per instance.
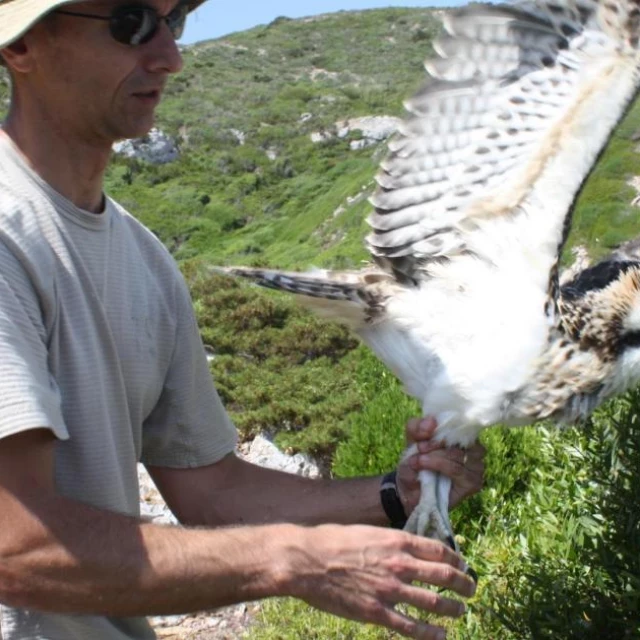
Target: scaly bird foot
(430, 518)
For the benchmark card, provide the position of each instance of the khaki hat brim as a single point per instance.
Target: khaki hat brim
(18, 16)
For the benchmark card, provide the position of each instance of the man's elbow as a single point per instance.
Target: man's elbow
(20, 584)
(34, 566)
(197, 516)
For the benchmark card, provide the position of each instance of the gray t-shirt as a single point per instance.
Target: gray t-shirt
(98, 342)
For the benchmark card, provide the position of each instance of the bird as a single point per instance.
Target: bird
(462, 297)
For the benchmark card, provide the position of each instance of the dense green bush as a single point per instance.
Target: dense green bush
(569, 549)
(277, 368)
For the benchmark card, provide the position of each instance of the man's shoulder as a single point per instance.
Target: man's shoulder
(140, 231)
(20, 216)
(21, 203)
(147, 245)
(25, 247)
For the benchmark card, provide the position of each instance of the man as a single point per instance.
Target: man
(102, 366)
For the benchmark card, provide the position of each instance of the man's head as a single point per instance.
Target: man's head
(95, 69)
(18, 16)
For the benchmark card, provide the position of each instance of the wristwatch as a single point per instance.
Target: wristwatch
(391, 502)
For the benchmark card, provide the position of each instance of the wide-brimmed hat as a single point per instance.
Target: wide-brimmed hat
(18, 16)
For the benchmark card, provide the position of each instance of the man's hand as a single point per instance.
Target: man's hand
(464, 467)
(362, 573)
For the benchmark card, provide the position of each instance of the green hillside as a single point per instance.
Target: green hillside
(231, 202)
(555, 536)
(278, 84)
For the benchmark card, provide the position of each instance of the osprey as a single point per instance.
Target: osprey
(473, 206)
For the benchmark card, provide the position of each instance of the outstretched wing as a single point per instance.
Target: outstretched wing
(520, 101)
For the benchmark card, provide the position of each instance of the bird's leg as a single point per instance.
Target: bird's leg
(420, 520)
(431, 516)
(443, 489)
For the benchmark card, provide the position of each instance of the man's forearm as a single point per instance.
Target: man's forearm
(71, 558)
(283, 497)
(237, 492)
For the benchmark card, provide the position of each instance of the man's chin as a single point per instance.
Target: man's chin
(133, 134)
(131, 130)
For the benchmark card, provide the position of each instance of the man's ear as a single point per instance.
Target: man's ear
(16, 56)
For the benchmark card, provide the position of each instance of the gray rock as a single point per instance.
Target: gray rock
(374, 129)
(240, 136)
(156, 148)
(264, 453)
(320, 136)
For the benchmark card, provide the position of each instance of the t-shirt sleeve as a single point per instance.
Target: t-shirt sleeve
(189, 426)
(29, 395)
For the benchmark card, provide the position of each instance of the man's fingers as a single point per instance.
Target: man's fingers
(451, 462)
(448, 463)
(408, 473)
(444, 576)
(438, 565)
(432, 551)
(427, 446)
(475, 452)
(435, 459)
(418, 429)
(410, 627)
(430, 601)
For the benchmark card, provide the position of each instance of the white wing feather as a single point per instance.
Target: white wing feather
(518, 106)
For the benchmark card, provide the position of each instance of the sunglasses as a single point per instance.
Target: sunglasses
(135, 24)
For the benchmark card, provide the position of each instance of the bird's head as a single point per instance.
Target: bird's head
(614, 320)
(603, 310)
(626, 305)
(625, 330)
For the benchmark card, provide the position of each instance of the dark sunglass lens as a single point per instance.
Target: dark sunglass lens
(176, 20)
(134, 25)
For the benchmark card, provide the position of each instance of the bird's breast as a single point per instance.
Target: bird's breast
(460, 348)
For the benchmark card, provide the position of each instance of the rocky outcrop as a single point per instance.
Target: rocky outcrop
(156, 148)
(373, 130)
(264, 453)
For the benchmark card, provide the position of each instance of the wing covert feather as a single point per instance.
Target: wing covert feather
(518, 104)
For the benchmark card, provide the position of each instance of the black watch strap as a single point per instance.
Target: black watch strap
(391, 502)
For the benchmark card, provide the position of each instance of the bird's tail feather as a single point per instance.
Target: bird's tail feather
(336, 295)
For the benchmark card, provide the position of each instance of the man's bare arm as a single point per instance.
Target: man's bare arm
(233, 491)
(62, 556)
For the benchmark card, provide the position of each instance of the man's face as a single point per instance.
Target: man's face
(95, 87)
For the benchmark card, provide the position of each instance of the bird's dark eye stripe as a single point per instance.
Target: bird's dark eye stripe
(597, 277)
(630, 340)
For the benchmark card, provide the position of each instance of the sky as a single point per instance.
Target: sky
(217, 18)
